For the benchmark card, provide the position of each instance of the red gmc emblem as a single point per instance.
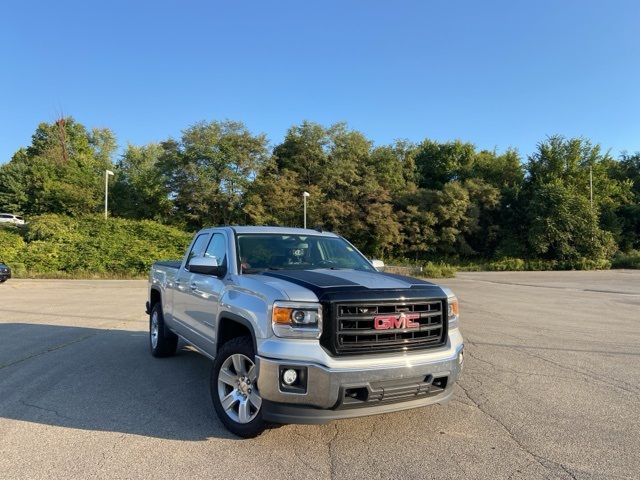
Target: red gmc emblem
(404, 320)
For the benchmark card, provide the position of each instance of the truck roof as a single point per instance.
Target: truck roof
(279, 230)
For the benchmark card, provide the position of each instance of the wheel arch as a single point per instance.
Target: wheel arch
(230, 326)
(155, 296)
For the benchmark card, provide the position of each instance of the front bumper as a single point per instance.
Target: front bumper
(350, 388)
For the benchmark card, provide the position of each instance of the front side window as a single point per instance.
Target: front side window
(259, 252)
(198, 247)
(217, 249)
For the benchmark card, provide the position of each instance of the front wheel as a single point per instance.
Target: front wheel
(234, 388)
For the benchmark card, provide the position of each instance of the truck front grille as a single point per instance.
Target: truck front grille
(352, 327)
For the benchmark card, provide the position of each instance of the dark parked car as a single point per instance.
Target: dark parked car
(5, 273)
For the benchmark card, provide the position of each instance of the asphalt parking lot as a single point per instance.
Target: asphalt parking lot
(550, 390)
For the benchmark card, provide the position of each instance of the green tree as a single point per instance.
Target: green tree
(305, 152)
(504, 171)
(440, 163)
(60, 172)
(561, 222)
(482, 223)
(275, 198)
(564, 227)
(628, 213)
(394, 166)
(345, 178)
(208, 171)
(490, 180)
(139, 190)
(435, 221)
(494, 204)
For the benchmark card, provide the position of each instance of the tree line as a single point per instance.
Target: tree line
(411, 200)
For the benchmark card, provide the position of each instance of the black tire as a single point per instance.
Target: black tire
(166, 342)
(244, 347)
(2, 280)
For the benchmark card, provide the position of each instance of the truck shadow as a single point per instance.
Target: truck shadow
(104, 380)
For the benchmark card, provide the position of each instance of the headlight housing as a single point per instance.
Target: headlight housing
(453, 312)
(297, 320)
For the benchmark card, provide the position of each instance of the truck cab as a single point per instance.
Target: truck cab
(301, 327)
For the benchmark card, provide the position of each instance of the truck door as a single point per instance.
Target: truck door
(205, 294)
(182, 284)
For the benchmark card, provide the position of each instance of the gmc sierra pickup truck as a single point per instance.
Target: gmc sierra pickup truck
(302, 328)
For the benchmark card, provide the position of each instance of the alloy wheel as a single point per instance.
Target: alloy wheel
(237, 388)
(154, 329)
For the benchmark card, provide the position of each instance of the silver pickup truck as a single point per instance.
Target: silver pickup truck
(302, 328)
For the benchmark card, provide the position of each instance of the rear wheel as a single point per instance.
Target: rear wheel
(162, 341)
(234, 388)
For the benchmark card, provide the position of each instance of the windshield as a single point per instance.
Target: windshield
(259, 252)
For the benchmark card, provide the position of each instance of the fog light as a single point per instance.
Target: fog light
(289, 376)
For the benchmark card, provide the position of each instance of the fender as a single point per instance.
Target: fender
(148, 304)
(226, 315)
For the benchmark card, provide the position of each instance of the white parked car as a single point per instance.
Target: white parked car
(10, 218)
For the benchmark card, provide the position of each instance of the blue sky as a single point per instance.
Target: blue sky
(498, 74)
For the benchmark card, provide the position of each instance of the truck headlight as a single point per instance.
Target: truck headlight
(298, 320)
(453, 312)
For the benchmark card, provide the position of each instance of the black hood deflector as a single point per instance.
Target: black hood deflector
(332, 288)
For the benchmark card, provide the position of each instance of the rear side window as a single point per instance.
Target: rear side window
(198, 248)
(4, 215)
(217, 249)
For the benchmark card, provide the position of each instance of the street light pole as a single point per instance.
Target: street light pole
(591, 185)
(107, 174)
(304, 200)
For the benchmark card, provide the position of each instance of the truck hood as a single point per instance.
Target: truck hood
(357, 283)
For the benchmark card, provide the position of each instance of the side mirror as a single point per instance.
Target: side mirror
(377, 264)
(207, 266)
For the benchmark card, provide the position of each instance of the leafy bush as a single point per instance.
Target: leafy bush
(56, 245)
(584, 264)
(627, 260)
(428, 270)
(11, 245)
(507, 265)
(438, 270)
(510, 264)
